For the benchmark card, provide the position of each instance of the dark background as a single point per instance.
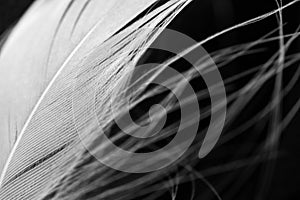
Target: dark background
(199, 20)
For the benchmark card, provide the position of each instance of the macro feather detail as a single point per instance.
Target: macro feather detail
(70, 24)
(51, 53)
(78, 89)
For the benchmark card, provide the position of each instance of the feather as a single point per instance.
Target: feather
(40, 61)
(69, 76)
(50, 34)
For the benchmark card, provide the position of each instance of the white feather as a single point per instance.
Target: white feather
(39, 63)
